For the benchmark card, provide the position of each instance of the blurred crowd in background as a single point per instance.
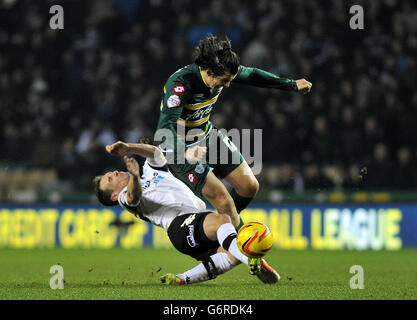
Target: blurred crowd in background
(65, 94)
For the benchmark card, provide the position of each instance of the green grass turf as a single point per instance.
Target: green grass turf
(134, 274)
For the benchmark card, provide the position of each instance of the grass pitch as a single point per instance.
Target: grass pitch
(134, 274)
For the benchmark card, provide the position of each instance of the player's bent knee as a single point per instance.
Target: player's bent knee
(216, 220)
(224, 218)
(254, 187)
(249, 189)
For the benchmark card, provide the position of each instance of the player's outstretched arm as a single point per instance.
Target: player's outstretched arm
(152, 153)
(134, 189)
(264, 79)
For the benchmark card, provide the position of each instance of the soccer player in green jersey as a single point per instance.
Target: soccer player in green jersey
(189, 98)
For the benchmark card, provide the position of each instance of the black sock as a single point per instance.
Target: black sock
(240, 202)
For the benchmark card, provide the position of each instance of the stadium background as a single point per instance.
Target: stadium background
(339, 165)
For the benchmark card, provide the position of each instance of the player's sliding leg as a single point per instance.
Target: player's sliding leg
(216, 193)
(217, 264)
(207, 231)
(210, 268)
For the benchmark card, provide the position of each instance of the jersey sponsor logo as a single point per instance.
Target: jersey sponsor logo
(199, 114)
(198, 95)
(173, 101)
(179, 89)
(190, 238)
(191, 177)
(154, 180)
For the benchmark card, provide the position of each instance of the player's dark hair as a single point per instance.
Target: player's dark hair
(216, 56)
(145, 140)
(103, 196)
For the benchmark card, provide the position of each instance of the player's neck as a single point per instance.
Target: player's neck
(204, 76)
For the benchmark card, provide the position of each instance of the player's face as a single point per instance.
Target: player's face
(114, 180)
(217, 82)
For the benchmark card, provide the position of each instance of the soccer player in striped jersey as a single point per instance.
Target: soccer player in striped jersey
(189, 98)
(160, 198)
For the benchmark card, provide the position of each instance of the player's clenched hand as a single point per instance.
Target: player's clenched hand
(303, 85)
(132, 166)
(196, 153)
(117, 149)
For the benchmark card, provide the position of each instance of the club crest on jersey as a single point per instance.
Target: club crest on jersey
(199, 169)
(179, 89)
(173, 101)
(191, 177)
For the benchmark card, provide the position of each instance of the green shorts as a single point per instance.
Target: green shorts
(222, 158)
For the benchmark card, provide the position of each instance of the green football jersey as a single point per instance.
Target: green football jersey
(188, 102)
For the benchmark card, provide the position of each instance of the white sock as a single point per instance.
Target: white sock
(199, 273)
(228, 232)
(196, 274)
